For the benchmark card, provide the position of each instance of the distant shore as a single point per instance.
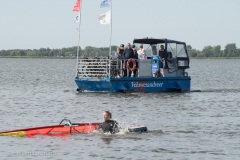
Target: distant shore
(38, 57)
(54, 57)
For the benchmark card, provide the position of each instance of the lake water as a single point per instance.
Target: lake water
(182, 126)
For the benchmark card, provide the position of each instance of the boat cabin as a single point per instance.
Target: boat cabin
(172, 61)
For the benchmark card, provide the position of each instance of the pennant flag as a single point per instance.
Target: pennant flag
(105, 3)
(105, 18)
(76, 7)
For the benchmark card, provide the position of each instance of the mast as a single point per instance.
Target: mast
(110, 47)
(79, 24)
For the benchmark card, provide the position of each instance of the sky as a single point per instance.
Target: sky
(34, 24)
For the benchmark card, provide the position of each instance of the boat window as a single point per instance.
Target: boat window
(147, 48)
(181, 52)
(172, 48)
(177, 50)
(154, 50)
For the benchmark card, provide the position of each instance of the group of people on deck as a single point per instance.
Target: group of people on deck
(131, 52)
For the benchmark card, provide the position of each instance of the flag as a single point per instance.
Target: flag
(76, 7)
(105, 3)
(105, 18)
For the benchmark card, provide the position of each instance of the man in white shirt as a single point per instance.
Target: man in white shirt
(141, 53)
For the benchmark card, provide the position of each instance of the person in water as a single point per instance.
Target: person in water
(109, 125)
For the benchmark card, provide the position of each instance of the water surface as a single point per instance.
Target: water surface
(195, 125)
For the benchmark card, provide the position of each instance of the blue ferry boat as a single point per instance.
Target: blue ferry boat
(152, 74)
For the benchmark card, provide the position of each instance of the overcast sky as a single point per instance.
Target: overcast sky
(32, 24)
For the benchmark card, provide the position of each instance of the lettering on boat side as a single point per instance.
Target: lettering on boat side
(146, 84)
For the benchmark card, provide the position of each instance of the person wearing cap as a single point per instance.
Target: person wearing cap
(120, 57)
(122, 46)
(141, 53)
(120, 52)
(135, 54)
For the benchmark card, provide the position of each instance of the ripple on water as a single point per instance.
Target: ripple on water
(194, 125)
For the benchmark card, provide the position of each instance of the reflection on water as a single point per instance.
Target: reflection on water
(193, 125)
(106, 139)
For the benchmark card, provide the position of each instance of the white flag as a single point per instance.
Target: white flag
(105, 18)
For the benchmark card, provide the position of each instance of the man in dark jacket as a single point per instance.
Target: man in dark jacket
(128, 52)
(163, 56)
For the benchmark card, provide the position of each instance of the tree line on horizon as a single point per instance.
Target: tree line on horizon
(230, 50)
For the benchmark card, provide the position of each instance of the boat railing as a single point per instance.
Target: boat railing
(92, 67)
(102, 67)
(98, 68)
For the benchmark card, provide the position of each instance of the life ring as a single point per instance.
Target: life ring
(134, 64)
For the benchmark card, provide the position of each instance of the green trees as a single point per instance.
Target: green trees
(207, 51)
(215, 51)
(192, 52)
(230, 50)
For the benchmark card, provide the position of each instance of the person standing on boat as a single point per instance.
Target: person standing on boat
(120, 52)
(135, 56)
(141, 53)
(128, 53)
(120, 57)
(163, 56)
(109, 125)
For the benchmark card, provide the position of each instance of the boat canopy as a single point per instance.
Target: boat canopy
(155, 41)
(152, 45)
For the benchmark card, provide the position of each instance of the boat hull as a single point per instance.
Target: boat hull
(53, 130)
(131, 84)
